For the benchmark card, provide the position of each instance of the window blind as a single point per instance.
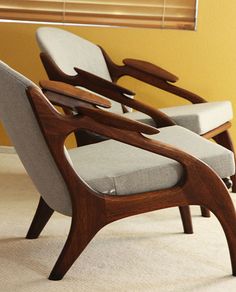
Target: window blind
(177, 14)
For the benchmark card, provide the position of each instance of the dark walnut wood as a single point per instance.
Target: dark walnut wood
(74, 92)
(91, 210)
(105, 88)
(151, 69)
(41, 217)
(117, 72)
(225, 140)
(117, 121)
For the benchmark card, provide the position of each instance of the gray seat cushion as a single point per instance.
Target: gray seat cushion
(199, 118)
(116, 168)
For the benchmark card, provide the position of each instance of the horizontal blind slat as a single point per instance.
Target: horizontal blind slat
(149, 13)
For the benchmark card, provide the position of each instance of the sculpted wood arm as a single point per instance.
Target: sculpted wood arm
(103, 117)
(117, 121)
(105, 88)
(104, 123)
(68, 96)
(151, 69)
(151, 74)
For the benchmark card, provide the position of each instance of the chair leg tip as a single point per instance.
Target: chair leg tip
(31, 236)
(205, 212)
(55, 277)
(206, 215)
(188, 232)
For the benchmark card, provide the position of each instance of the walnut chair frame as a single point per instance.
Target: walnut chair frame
(91, 210)
(71, 99)
(143, 71)
(147, 73)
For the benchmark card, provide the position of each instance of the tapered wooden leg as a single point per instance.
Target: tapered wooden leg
(225, 140)
(186, 219)
(78, 238)
(41, 217)
(215, 197)
(205, 212)
(225, 212)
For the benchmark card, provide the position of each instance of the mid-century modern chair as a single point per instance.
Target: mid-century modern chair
(74, 60)
(135, 171)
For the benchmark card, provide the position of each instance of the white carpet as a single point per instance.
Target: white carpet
(148, 252)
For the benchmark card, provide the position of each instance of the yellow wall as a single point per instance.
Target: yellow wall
(204, 60)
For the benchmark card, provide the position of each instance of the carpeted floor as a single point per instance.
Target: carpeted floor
(148, 252)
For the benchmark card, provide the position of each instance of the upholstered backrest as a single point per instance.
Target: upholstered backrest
(20, 122)
(69, 50)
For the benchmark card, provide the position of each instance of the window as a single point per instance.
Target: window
(177, 14)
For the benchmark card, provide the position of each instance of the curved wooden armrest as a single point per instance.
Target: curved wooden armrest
(103, 82)
(151, 69)
(73, 92)
(98, 121)
(110, 89)
(117, 121)
(138, 70)
(122, 95)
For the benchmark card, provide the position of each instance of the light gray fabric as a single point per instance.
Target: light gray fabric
(21, 125)
(116, 168)
(199, 118)
(69, 50)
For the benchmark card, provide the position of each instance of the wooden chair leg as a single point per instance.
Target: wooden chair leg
(78, 238)
(225, 140)
(218, 201)
(205, 212)
(41, 217)
(186, 219)
(225, 212)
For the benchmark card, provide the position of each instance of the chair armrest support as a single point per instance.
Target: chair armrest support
(57, 127)
(121, 95)
(151, 69)
(150, 74)
(105, 88)
(117, 121)
(101, 82)
(74, 94)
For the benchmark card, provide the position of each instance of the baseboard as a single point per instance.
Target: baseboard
(7, 149)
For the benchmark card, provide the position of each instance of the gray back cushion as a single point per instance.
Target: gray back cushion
(21, 125)
(69, 50)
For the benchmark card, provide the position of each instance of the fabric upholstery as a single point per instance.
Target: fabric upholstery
(21, 125)
(199, 118)
(116, 168)
(69, 50)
